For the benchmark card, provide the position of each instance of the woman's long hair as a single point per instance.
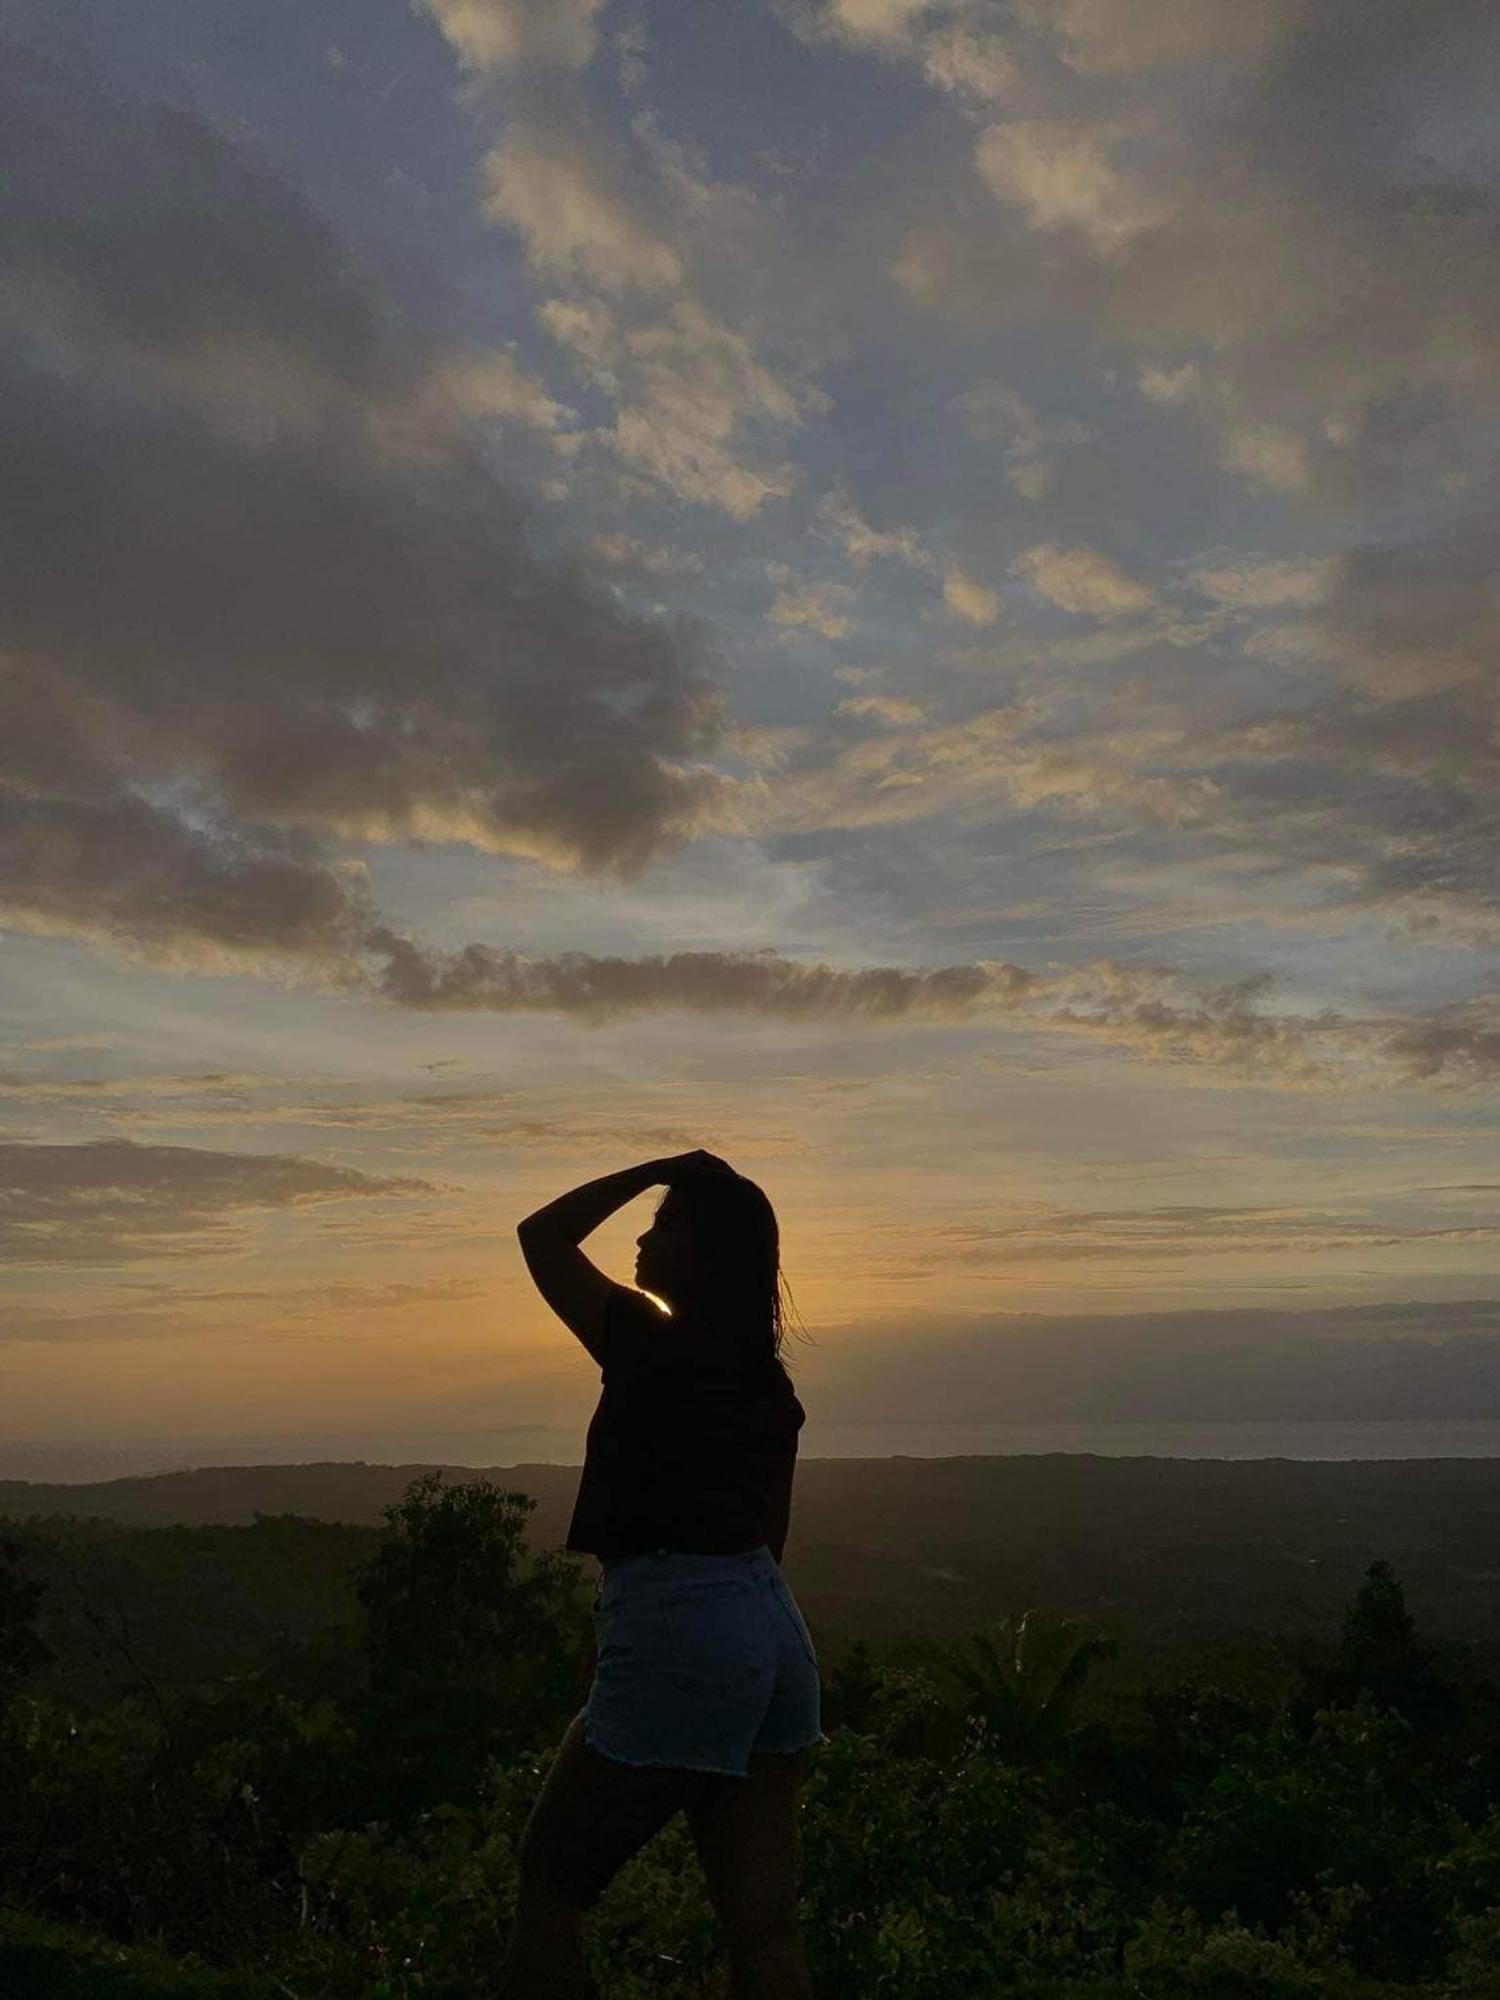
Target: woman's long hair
(738, 1255)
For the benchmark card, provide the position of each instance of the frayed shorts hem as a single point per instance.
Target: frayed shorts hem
(590, 1737)
(699, 1660)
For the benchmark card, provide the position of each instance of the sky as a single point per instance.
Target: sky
(906, 593)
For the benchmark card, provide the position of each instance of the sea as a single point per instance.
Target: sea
(89, 1459)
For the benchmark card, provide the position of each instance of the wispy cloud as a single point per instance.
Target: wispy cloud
(1082, 580)
(493, 36)
(178, 1311)
(699, 407)
(113, 1201)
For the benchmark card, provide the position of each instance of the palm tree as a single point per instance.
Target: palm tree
(1024, 1680)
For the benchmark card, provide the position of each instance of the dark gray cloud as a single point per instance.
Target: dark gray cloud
(1399, 1360)
(261, 589)
(211, 895)
(112, 1201)
(1421, 616)
(597, 988)
(1230, 1032)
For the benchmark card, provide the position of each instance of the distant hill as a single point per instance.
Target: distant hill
(234, 1494)
(1165, 1550)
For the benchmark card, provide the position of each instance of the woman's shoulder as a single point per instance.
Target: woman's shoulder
(637, 1329)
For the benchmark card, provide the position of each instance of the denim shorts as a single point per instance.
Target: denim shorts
(700, 1660)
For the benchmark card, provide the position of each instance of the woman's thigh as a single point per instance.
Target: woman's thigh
(594, 1814)
(745, 1832)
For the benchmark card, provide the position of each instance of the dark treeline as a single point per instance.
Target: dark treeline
(304, 1751)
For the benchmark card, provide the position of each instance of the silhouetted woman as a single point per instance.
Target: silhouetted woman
(705, 1695)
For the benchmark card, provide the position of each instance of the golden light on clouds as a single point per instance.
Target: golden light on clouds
(849, 582)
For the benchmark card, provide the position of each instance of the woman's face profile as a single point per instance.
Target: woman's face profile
(665, 1254)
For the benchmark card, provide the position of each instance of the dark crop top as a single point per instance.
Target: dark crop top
(685, 1450)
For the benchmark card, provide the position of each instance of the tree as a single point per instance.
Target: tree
(1379, 1656)
(1026, 1679)
(471, 1652)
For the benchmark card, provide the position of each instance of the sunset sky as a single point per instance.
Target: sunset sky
(905, 593)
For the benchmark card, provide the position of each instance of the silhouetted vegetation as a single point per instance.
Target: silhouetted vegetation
(309, 1778)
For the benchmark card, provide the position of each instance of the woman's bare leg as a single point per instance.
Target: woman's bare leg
(745, 1831)
(545, 1957)
(591, 1816)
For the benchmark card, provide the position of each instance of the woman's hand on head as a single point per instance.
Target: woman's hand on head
(688, 1166)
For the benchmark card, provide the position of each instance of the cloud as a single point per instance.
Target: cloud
(881, 22)
(599, 989)
(1448, 1051)
(1064, 174)
(964, 596)
(1410, 1361)
(1248, 583)
(491, 383)
(576, 225)
(821, 607)
(892, 710)
(839, 516)
(122, 873)
(969, 600)
(178, 1312)
(974, 767)
(264, 595)
(997, 414)
(112, 1201)
(1422, 615)
(432, 1122)
(1322, 723)
(699, 410)
(259, 595)
(491, 36)
(621, 551)
(957, 48)
(1258, 203)
(971, 48)
(1044, 1235)
(1151, 1012)
(100, 1095)
(1082, 580)
(1098, 38)
(970, 62)
(692, 386)
(1379, 779)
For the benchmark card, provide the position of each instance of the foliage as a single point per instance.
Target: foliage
(472, 1652)
(43, 1961)
(339, 1815)
(1024, 1682)
(21, 1650)
(1381, 1659)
